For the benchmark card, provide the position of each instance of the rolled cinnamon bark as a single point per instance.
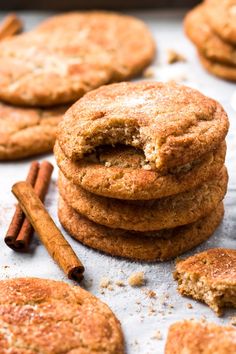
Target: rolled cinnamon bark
(18, 219)
(56, 245)
(10, 26)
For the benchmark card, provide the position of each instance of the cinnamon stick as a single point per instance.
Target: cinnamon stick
(56, 245)
(19, 217)
(41, 187)
(10, 26)
(20, 231)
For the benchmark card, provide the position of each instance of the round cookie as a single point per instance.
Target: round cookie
(26, 132)
(190, 336)
(46, 316)
(226, 72)
(71, 54)
(118, 34)
(156, 214)
(222, 18)
(163, 245)
(172, 124)
(208, 43)
(123, 173)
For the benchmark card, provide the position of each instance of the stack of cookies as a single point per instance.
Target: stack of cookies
(45, 70)
(211, 26)
(142, 170)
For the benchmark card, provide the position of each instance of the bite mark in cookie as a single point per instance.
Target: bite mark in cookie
(122, 172)
(173, 125)
(209, 276)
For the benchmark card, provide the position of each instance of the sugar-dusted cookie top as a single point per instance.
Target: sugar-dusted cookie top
(207, 41)
(222, 18)
(210, 277)
(200, 338)
(26, 132)
(172, 124)
(46, 316)
(70, 54)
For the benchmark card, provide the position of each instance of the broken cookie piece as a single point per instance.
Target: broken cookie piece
(210, 277)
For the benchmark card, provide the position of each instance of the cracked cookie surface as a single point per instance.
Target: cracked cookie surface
(222, 18)
(156, 214)
(172, 124)
(209, 276)
(52, 317)
(26, 132)
(208, 43)
(71, 54)
(153, 246)
(122, 172)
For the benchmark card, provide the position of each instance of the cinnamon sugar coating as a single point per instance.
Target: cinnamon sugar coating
(172, 124)
(209, 276)
(149, 246)
(207, 41)
(222, 18)
(122, 173)
(157, 214)
(71, 54)
(26, 132)
(46, 316)
(200, 338)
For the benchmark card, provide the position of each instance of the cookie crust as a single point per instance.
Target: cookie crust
(208, 43)
(227, 72)
(209, 276)
(200, 338)
(122, 173)
(71, 54)
(25, 132)
(172, 124)
(222, 18)
(156, 214)
(47, 316)
(158, 246)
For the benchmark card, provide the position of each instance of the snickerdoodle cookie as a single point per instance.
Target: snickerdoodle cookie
(172, 124)
(121, 172)
(46, 316)
(157, 214)
(194, 337)
(209, 44)
(26, 132)
(71, 54)
(221, 15)
(209, 276)
(153, 246)
(227, 72)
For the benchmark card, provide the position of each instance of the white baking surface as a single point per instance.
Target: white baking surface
(138, 322)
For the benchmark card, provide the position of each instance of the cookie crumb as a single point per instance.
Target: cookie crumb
(120, 283)
(189, 306)
(151, 294)
(104, 283)
(157, 336)
(233, 321)
(149, 72)
(174, 57)
(136, 279)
